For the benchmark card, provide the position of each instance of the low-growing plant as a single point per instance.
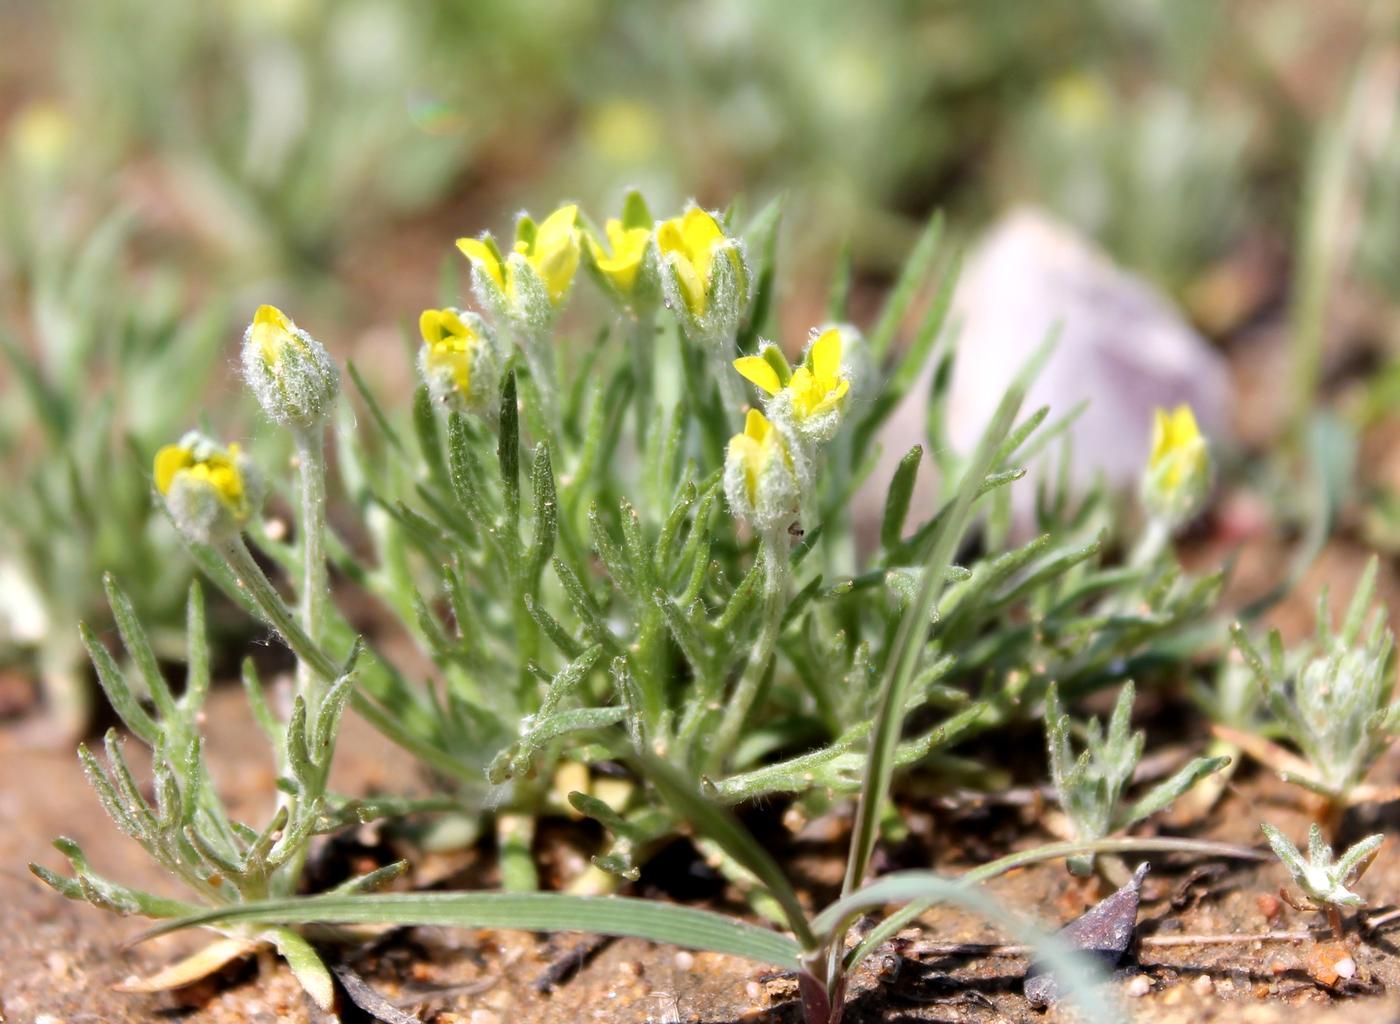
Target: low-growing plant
(106, 371)
(1324, 879)
(1331, 699)
(1092, 785)
(604, 574)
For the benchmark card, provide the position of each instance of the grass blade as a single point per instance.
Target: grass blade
(687, 927)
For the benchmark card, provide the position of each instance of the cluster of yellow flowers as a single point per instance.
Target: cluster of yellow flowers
(771, 465)
(687, 262)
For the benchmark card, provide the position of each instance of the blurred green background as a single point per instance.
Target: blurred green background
(168, 165)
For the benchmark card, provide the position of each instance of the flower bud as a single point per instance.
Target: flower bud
(211, 491)
(459, 361)
(625, 263)
(704, 275)
(291, 373)
(807, 402)
(1178, 470)
(528, 285)
(763, 477)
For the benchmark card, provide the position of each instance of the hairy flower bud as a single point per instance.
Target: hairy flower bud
(624, 262)
(763, 477)
(704, 275)
(211, 491)
(459, 361)
(1177, 479)
(528, 285)
(293, 376)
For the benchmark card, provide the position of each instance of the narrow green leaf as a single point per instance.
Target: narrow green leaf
(900, 493)
(508, 449)
(119, 694)
(670, 924)
(197, 651)
(716, 822)
(546, 513)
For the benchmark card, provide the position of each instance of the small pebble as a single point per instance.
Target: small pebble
(754, 991)
(1202, 985)
(1139, 986)
(1270, 906)
(1345, 967)
(685, 960)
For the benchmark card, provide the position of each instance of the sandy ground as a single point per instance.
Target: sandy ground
(58, 960)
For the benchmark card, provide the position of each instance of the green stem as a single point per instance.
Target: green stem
(275, 612)
(315, 587)
(774, 604)
(730, 389)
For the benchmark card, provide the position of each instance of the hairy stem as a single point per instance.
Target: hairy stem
(315, 586)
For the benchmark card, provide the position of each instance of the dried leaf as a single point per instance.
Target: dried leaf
(195, 967)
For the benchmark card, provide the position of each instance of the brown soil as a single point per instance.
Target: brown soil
(59, 959)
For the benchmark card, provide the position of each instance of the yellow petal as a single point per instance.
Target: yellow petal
(825, 356)
(272, 315)
(692, 285)
(756, 425)
(701, 231)
(1183, 426)
(453, 326)
(757, 370)
(272, 329)
(669, 237)
(169, 461)
(557, 230)
(832, 398)
(430, 325)
(481, 256)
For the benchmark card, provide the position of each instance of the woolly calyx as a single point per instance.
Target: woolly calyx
(291, 374)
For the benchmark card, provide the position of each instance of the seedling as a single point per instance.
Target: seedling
(1324, 883)
(1331, 700)
(1091, 784)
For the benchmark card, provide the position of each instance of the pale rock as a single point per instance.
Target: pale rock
(1122, 346)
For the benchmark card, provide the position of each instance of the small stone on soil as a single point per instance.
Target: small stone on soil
(1203, 985)
(684, 960)
(1139, 986)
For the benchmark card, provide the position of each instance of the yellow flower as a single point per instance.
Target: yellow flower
(450, 345)
(552, 250)
(1178, 449)
(688, 244)
(1177, 480)
(754, 449)
(620, 261)
(815, 388)
(216, 469)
